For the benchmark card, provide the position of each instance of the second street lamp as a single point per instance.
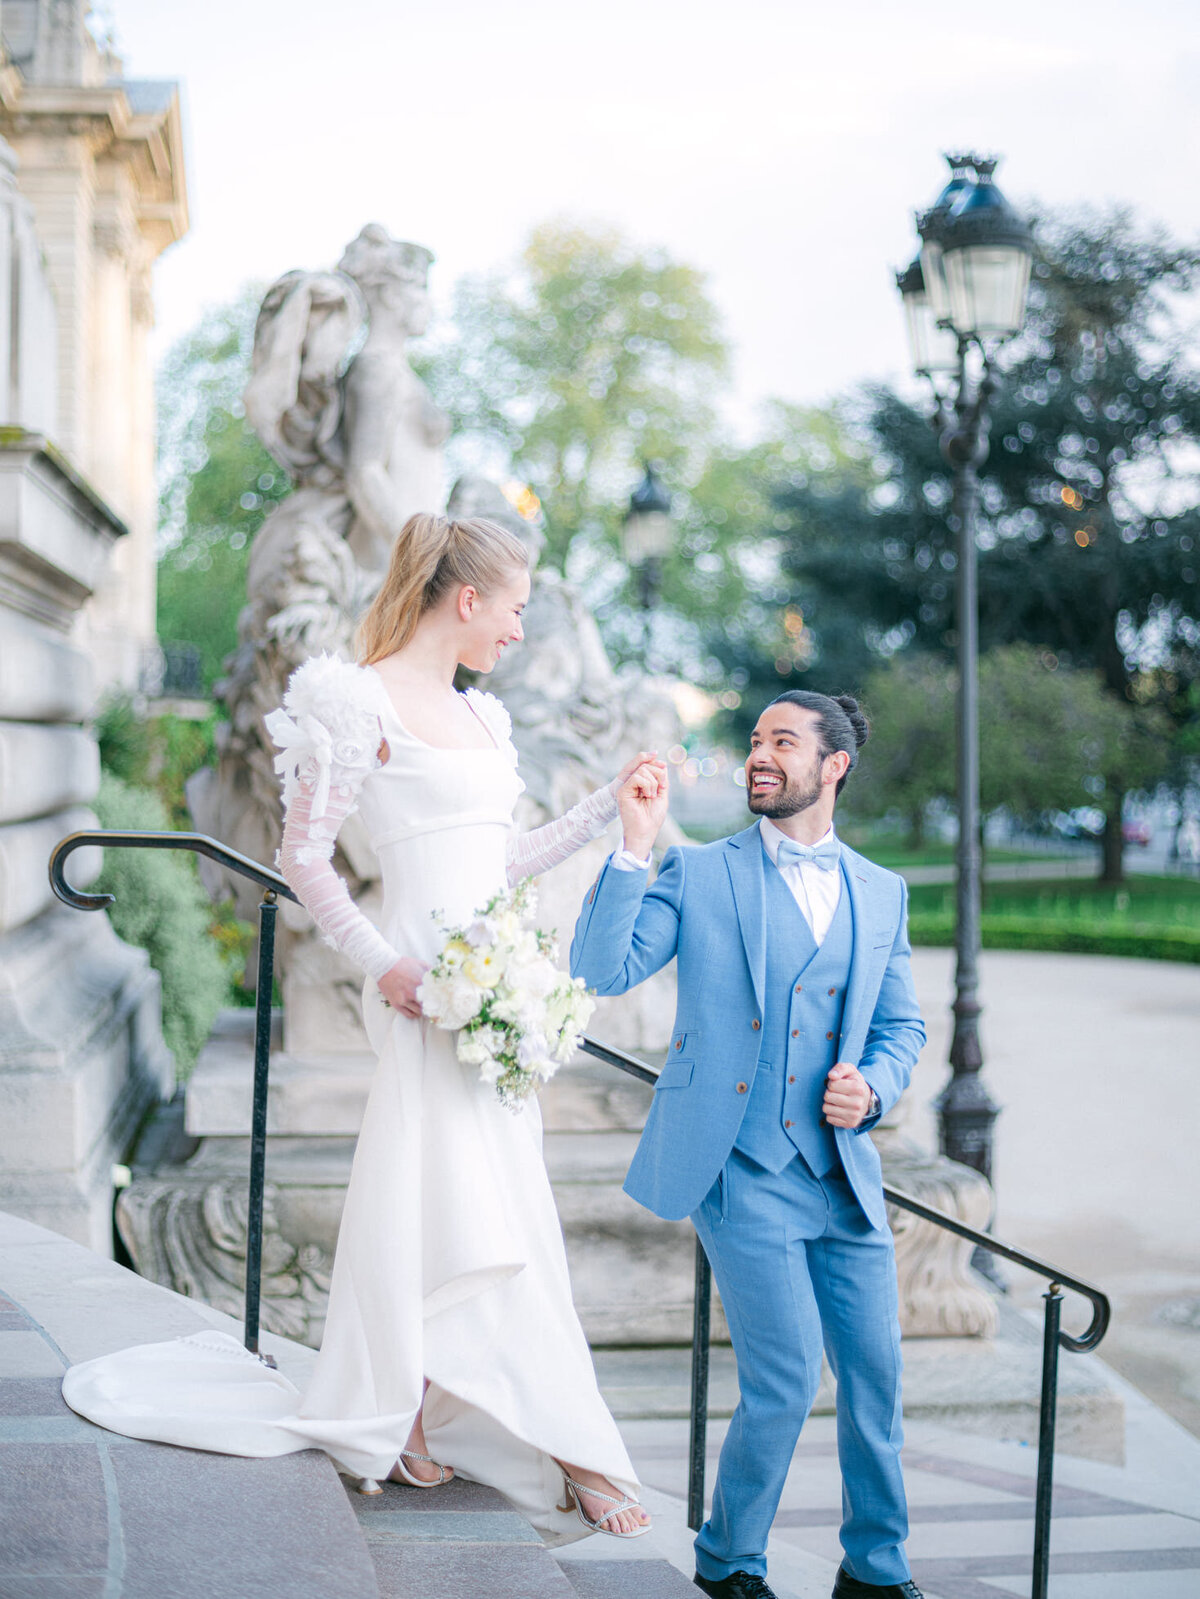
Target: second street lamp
(647, 535)
(966, 293)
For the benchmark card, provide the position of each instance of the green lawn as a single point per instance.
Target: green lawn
(898, 858)
(1152, 917)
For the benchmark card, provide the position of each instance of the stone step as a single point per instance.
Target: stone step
(85, 1511)
(628, 1579)
(460, 1541)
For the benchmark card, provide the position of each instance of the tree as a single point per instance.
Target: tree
(217, 483)
(908, 761)
(587, 359)
(1088, 527)
(1052, 738)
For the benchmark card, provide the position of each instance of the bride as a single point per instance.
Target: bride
(451, 1341)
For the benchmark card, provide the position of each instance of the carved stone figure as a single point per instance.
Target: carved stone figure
(334, 399)
(192, 1235)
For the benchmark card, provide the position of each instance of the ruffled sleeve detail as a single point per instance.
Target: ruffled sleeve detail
(328, 731)
(495, 718)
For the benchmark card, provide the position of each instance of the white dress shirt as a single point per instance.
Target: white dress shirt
(626, 861)
(814, 890)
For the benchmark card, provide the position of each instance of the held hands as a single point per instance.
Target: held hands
(642, 801)
(399, 985)
(847, 1096)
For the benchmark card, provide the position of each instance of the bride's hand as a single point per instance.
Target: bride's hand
(399, 985)
(630, 767)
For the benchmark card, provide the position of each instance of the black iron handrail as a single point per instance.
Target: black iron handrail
(273, 884)
(1053, 1337)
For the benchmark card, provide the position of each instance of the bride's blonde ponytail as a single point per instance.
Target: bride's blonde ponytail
(433, 554)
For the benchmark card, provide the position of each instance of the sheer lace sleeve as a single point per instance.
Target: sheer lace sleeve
(544, 847)
(328, 733)
(305, 860)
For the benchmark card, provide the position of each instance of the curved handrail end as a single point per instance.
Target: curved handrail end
(75, 897)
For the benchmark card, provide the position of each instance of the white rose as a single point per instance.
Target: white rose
(535, 979)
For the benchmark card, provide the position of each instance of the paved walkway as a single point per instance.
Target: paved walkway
(1095, 1064)
(1129, 1532)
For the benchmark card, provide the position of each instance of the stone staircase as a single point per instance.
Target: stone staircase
(464, 1541)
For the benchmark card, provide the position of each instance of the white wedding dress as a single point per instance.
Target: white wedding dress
(450, 1262)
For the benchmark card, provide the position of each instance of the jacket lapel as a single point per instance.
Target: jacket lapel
(744, 860)
(854, 881)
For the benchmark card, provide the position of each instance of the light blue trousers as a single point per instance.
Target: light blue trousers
(799, 1268)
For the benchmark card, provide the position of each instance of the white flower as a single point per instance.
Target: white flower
(451, 1002)
(532, 1047)
(535, 978)
(489, 1070)
(482, 968)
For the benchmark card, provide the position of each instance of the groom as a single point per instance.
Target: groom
(797, 1028)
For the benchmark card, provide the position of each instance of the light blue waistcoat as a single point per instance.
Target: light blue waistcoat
(805, 993)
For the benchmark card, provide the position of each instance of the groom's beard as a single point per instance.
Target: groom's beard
(791, 797)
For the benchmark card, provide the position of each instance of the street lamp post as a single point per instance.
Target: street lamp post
(646, 534)
(963, 296)
(646, 538)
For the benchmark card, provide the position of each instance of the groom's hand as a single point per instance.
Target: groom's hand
(847, 1096)
(642, 802)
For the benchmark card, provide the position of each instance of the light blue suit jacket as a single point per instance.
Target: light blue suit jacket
(707, 908)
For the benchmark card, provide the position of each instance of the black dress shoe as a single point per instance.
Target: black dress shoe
(847, 1587)
(738, 1585)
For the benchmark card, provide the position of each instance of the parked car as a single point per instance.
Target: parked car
(1086, 824)
(1136, 833)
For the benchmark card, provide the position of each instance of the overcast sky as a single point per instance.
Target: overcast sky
(778, 145)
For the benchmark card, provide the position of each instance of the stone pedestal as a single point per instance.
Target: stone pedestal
(183, 1220)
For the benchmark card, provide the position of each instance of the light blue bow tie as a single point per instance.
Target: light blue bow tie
(826, 854)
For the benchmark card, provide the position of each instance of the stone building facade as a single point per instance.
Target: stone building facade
(91, 192)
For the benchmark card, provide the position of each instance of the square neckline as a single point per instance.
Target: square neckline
(441, 749)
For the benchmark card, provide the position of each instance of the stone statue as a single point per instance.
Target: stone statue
(334, 399)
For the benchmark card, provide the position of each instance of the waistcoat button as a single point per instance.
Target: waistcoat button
(791, 1079)
(833, 990)
(679, 1043)
(741, 1088)
(828, 1035)
(795, 1032)
(799, 988)
(787, 1124)
(756, 1024)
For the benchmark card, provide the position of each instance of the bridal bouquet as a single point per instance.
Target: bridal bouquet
(495, 982)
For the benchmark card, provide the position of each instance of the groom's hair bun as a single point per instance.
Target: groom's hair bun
(840, 723)
(858, 722)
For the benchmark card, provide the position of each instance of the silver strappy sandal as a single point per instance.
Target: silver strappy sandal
(444, 1473)
(575, 1490)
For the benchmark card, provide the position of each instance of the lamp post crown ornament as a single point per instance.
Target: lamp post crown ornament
(650, 495)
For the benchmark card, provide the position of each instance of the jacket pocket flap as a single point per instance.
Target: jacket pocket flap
(675, 1074)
